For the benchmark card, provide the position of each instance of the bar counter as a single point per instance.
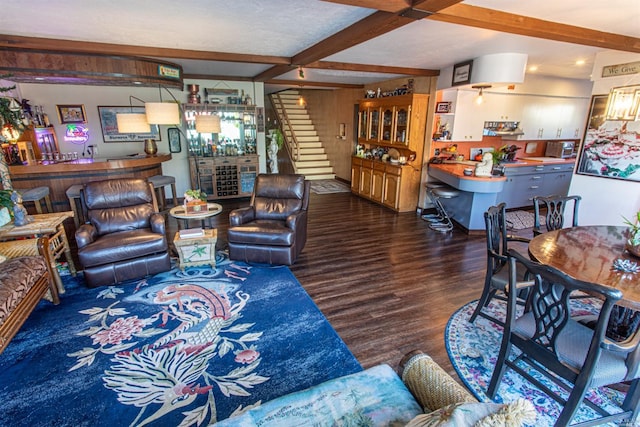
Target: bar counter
(59, 176)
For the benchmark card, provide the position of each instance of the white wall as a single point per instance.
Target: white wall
(606, 200)
(49, 95)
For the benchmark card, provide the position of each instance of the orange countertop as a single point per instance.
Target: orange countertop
(98, 164)
(457, 170)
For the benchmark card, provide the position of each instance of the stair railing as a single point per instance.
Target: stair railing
(293, 146)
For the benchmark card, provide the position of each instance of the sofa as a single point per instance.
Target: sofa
(421, 394)
(24, 281)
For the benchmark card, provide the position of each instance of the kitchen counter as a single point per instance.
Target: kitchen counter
(477, 194)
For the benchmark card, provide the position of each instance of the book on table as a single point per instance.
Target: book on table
(190, 233)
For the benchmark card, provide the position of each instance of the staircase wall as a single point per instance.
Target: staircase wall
(327, 109)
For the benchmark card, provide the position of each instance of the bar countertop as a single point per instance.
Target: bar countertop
(97, 164)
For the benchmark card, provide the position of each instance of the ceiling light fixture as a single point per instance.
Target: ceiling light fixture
(300, 72)
(480, 97)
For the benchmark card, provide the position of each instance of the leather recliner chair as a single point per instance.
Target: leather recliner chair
(273, 229)
(124, 237)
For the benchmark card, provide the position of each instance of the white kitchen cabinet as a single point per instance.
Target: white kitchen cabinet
(553, 118)
(466, 122)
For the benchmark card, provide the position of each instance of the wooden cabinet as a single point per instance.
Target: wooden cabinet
(224, 177)
(398, 123)
(525, 182)
(390, 185)
(44, 141)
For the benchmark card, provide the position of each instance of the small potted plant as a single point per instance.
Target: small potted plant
(195, 201)
(633, 241)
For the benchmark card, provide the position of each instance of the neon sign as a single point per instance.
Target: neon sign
(76, 134)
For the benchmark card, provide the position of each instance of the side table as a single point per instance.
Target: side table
(197, 251)
(179, 212)
(50, 225)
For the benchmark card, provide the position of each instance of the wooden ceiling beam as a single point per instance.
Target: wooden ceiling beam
(305, 83)
(344, 66)
(396, 6)
(216, 77)
(73, 46)
(490, 19)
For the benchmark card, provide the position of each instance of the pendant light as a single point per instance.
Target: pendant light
(132, 123)
(163, 113)
(480, 97)
(208, 123)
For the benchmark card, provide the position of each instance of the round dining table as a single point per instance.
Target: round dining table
(588, 253)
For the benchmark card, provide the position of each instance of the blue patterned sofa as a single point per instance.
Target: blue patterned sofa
(373, 397)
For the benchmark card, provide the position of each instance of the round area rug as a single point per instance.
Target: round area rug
(473, 351)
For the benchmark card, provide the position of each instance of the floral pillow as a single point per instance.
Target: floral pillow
(513, 414)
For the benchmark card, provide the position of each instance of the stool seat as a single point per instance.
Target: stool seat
(441, 222)
(73, 194)
(446, 192)
(35, 195)
(161, 181)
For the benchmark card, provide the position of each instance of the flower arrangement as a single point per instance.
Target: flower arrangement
(192, 195)
(634, 231)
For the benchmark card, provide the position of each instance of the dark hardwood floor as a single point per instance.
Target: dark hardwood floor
(386, 282)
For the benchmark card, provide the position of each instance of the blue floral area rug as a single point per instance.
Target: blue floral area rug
(177, 349)
(473, 351)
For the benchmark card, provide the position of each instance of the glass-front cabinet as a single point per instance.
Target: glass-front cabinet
(374, 128)
(387, 124)
(223, 164)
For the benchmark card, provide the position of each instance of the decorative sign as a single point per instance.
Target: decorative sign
(621, 69)
(76, 134)
(166, 71)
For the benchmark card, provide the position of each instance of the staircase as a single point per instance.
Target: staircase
(301, 139)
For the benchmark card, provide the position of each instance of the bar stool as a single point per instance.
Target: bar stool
(35, 195)
(430, 186)
(73, 194)
(445, 192)
(159, 182)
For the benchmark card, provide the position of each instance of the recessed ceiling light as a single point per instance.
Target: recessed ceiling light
(137, 83)
(533, 68)
(39, 78)
(580, 62)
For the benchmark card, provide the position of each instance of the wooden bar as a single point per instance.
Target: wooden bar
(59, 176)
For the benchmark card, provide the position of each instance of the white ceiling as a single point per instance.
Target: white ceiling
(286, 27)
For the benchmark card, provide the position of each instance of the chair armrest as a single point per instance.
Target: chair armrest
(241, 216)
(157, 223)
(85, 235)
(431, 386)
(295, 218)
(513, 238)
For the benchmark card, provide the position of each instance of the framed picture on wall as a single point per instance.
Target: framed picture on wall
(71, 114)
(109, 125)
(609, 148)
(462, 73)
(173, 135)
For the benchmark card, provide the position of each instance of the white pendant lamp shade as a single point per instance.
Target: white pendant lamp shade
(499, 68)
(162, 113)
(208, 123)
(132, 123)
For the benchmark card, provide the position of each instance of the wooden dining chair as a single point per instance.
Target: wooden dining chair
(555, 207)
(551, 342)
(497, 273)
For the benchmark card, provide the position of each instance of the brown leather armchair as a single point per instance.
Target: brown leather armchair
(273, 229)
(124, 237)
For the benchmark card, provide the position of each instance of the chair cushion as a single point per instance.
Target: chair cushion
(262, 232)
(122, 245)
(278, 197)
(17, 276)
(161, 180)
(34, 194)
(572, 348)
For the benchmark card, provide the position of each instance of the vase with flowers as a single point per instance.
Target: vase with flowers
(633, 238)
(195, 201)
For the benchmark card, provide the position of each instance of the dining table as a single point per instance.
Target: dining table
(595, 253)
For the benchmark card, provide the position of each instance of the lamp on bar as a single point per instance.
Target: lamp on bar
(206, 123)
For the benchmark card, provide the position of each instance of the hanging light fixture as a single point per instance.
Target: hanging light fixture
(300, 72)
(163, 113)
(208, 123)
(623, 103)
(132, 122)
(480, 97)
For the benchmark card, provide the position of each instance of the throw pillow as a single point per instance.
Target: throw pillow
(478, 415)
